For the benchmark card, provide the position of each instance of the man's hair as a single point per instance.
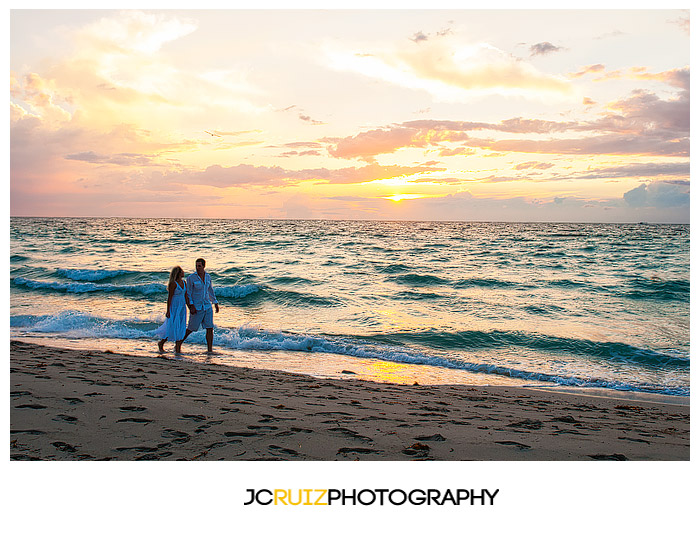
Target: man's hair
(204, 263)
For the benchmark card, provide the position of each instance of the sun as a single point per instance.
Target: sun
(400, 197)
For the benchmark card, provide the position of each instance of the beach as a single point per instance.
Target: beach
(69, 404)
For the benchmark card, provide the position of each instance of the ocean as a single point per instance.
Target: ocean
(597, 307)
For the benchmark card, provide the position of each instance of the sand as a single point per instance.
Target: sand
(93, 405)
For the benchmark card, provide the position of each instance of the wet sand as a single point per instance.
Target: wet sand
(93, 405)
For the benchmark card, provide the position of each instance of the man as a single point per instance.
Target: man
(200, 296)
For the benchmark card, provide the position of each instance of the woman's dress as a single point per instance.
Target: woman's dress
(174, 327)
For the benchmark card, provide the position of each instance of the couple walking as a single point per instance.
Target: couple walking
(196, 293)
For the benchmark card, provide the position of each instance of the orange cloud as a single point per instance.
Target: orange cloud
(588, 69)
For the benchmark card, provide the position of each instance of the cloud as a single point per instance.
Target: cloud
(289, 154)
(588, 69)
(679, 77)
(304, 144)
(603, 144)
(646, 170)
(683, 22)
(533, 165)
(660, 194)
(119, 70)
(645, 113)
(641, 123)
(451, 71)
(464, 151)
(608, 35)
(541, 49)
(135, 31)
(36, 95)
(418, 37)
(235, 132)
(425, 133)
(638, 169)
(120, 159)
(308, 119)
(370, 143)
(275, 176)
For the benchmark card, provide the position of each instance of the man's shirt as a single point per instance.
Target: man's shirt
(201, 293)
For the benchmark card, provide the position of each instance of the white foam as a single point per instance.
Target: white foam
(90, 275)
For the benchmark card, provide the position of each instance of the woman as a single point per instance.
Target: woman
(176, 313)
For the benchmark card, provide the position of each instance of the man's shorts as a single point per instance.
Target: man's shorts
(203, 317)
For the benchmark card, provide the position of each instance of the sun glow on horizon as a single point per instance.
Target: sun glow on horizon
(401, 197)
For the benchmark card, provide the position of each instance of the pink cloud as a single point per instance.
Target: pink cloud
(642, 123)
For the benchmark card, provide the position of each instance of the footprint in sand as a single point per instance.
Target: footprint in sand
(520, 446)
(572, 432)
(434, 437)
(350, 433)
(616, 457)
(66, 418)
(176, 435)
(138, 449)
(195, 418)
(65, 447)
(154, 456)
(241, 434)
(357, 450)
(530, 424)
(132, 408)
(283, 450)
(567, 419)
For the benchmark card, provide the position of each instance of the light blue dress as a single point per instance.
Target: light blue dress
(174, 327)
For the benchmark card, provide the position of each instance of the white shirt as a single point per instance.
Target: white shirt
(201, 293)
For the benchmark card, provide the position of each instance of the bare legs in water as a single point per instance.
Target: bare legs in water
(209, 337)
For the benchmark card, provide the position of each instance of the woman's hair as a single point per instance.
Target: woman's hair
(174, 273)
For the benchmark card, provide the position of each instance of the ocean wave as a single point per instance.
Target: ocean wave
(394, 268)
(89, 287)
(246, 337)
(291, 298)
(146, 289)
(90, 275)
(476, 340)
(484, 282)
(78, 324)
(658, 289)
(291, 280)
(236, 291)
(419, 280)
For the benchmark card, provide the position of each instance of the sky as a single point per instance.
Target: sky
(503, 115)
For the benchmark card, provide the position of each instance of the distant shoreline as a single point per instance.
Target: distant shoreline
(528, 222)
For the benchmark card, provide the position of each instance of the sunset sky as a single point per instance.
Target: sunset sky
(394, 114)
